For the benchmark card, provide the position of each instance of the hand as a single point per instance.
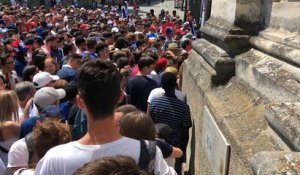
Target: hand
(27, 108)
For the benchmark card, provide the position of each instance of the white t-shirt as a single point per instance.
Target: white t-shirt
(23, 171)
(158, 92)
(18, 155)
(153, 75)
(66, 159)
(33, 112)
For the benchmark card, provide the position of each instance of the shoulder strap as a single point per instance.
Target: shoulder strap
(80, 125)
(2, 149)
(147, 156)
(30, 145)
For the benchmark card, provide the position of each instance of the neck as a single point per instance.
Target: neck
(23, 104)
(100, 131)
(141, 72)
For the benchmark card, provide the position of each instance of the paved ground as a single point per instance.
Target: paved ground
(157, 5)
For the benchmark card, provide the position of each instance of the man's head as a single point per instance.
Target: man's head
(7, 63)
(146, 65)
(99, 89)
(43, 79)
(108, 37)
(168, 81)
(90, 43)
(80, 43)
(74, 60)
(25, 91)
(101, 49)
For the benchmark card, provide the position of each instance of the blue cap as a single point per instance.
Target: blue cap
(51, 111)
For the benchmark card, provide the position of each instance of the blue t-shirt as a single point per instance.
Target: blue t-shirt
(65, 108)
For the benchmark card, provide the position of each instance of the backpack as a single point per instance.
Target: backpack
(147, 156)
(80, 125)
(29, 140)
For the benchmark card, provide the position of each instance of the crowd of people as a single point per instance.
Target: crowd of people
(92, 91)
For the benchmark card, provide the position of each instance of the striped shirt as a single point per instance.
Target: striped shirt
(174, 113)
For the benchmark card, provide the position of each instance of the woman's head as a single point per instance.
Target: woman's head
(9, 105)
(50, 66)
(48, 134)
(29, 72)
(137, 125)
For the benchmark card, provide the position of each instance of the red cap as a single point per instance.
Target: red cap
(84, 26)
(161, 62)
(179, 32)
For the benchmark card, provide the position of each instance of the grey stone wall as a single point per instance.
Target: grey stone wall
(246, 70)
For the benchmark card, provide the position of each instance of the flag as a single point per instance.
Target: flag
(124, 13)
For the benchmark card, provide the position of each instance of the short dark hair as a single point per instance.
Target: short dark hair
(79, 40)
(168, 81)
(99, 86)
(145, 61)
(91, 42)
(74, 56)
(99, 46)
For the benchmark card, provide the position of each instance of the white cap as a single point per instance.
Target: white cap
(114, 30)
(47, 96)
(41, 79)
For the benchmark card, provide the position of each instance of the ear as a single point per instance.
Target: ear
(121, 96)
(80, 102)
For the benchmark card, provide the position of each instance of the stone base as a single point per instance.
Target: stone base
(270, 163)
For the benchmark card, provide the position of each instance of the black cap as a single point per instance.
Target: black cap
(107, 34)
(164, 131)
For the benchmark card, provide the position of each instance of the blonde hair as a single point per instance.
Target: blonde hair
(9, 104)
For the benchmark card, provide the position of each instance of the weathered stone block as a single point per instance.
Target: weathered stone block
(275, 80)
(231, 39)
(270, 163)
(284, 118)
(217, 59)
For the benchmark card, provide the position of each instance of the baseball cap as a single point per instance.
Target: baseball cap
(41, 79)
(114, 30)
(48, 96)
(84, 26)
(164, 131)
(51, 111)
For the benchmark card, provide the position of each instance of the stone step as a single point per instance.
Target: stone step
(270, 163)
(275, 80)
(284, 118)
